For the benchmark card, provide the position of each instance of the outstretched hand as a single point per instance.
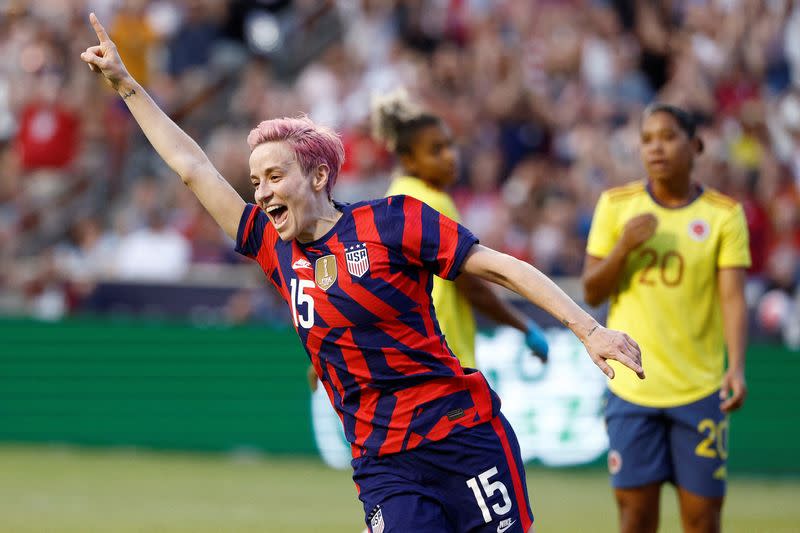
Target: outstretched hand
(603, 344)
(104, 58)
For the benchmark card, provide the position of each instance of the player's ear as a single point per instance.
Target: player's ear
(407, 162)
(699, 146)
(319, 178)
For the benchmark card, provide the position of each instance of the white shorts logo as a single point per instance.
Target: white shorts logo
(376, 522)
(504, 525)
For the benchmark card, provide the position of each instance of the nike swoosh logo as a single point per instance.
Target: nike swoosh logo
(505, 527)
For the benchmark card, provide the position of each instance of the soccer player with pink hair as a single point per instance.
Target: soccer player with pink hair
(431, 450)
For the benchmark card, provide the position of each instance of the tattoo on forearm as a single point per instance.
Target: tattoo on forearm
(128, 94)
(591, 331)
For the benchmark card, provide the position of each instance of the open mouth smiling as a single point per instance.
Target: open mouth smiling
(278, 214)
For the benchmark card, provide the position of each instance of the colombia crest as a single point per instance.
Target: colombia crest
(699, 229)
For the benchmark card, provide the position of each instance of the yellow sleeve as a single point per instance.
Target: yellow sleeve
(416, 188)
(734, 249)
(603, 235)
(444, 204)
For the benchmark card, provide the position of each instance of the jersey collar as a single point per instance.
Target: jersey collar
(345, 210)
(699, 190)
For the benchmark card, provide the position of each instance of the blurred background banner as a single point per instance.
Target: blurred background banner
(168, 385)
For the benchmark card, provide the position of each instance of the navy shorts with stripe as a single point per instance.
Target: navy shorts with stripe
(473, 481)
(685, 445)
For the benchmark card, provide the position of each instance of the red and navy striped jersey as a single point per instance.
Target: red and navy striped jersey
(360, 299)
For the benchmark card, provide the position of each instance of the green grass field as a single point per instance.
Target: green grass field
(47, 489)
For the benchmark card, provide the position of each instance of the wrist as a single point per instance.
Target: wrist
(584, 328)
(127, 88)
(736, 369)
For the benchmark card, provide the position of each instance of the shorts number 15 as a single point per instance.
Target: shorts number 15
(489, 488)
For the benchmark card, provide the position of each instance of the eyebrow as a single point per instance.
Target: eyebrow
(271, 169)
(660, 130)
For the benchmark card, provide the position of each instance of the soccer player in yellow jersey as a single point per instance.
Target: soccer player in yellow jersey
(671, 256)
(428, 162)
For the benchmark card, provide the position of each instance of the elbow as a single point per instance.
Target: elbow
(190, 171)
(506, 272)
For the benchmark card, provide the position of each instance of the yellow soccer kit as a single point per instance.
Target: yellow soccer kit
(667, 298)
(453, 311)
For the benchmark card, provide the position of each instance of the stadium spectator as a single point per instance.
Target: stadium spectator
(49, 131)
(155, 252)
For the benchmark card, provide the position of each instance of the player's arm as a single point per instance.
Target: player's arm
(176, 148)
(481, 296)
(734, 318)
(527, 281)
(601, 275)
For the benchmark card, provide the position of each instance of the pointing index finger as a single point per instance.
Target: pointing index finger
(98, 28)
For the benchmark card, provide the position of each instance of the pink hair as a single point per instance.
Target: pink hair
(312, 144)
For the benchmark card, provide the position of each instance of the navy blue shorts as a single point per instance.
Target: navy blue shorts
(685, 445)
(470, 482)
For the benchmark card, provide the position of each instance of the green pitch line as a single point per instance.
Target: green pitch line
(67, 490)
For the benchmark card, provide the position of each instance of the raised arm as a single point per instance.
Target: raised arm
(527, 281)
(176, 148)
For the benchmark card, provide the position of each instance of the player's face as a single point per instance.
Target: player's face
(433, 157)
(281, 189)
(666, 150)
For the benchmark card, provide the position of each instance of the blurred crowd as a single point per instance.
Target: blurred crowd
(543, 98)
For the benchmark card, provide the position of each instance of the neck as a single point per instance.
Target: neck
(673, 193)
(324, 218)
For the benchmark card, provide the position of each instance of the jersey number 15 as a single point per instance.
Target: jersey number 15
(300, 297)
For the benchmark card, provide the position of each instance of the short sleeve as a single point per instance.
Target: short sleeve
(603, 234)
(428, 238)
(256, 237)
(734, 249)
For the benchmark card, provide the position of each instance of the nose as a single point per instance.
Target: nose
(263, 193)
(654, 148)
(449, 154)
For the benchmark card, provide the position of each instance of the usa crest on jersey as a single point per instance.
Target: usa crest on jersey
(357, 259)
